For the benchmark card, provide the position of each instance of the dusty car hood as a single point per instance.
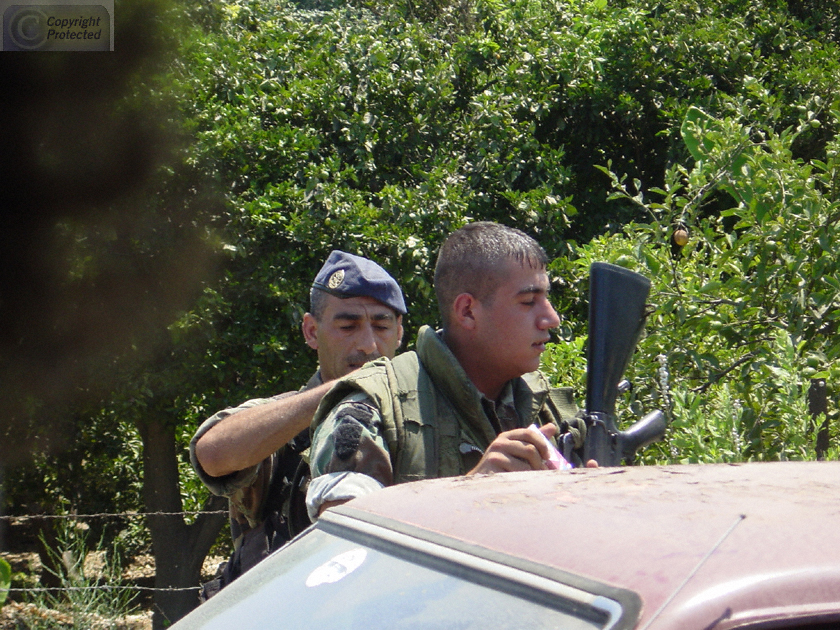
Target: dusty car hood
(712, 546)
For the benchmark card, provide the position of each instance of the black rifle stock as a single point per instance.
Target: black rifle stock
(617, 313)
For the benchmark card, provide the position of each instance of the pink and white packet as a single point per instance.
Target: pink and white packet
(555, 461)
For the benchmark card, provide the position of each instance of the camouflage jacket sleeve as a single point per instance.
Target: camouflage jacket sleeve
(230, 484)
(348, 453)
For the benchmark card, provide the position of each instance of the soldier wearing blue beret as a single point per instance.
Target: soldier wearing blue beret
(252, 454)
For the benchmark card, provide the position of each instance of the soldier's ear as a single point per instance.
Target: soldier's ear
(309, 328)
(463, 312)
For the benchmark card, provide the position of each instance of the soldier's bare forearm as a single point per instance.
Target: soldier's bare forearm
(247, 437)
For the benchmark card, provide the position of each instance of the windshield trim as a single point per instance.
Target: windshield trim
(615, 608)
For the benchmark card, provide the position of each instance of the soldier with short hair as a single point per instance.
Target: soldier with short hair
(463, 401)
(252, 454)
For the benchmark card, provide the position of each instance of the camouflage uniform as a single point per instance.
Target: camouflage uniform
(259, 496)
(417, 416)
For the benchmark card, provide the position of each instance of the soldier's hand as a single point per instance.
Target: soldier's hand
(514, 450)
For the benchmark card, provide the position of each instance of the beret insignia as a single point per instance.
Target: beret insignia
(336, 279)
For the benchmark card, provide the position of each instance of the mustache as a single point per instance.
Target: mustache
(362, 357)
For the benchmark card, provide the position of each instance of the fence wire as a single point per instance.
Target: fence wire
(104, 587)
(25, 518)
(34, 517)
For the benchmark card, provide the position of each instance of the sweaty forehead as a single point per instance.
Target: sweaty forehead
(523, 279)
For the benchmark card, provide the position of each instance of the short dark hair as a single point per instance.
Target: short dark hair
(471, 259)
(317, 303)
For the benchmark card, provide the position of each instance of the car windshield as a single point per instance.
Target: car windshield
(323, 580)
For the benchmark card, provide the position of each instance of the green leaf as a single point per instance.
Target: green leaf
(695, 121)
(698, 131)
(710, 287)
(5, 580)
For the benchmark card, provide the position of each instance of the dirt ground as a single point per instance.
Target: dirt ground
(16, 615)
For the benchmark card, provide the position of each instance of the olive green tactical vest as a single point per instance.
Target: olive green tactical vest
(432, 417)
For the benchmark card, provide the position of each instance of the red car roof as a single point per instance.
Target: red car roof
(703, 545)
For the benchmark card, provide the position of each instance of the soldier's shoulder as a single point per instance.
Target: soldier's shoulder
(379, 368)
(536, 381)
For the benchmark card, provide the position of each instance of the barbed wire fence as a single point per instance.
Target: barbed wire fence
(7, 520)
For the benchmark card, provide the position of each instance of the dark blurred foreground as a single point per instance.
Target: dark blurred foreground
(96, 253)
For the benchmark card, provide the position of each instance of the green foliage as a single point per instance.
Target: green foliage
(5, 580)
(714, 426)
(102, 447)
(564, 362)
(746, 313)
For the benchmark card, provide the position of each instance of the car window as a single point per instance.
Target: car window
(324, 580)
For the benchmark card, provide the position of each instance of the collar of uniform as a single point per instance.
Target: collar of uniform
(505, 397)
(452, 381)
(530, 393)
(502, 412)
(314, 381)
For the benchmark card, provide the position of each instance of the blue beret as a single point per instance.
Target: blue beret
(345, 275)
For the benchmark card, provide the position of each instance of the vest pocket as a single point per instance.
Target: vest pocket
(417, 457)
(418, 453)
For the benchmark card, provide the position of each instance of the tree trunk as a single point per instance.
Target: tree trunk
(818, 404)
(179, 549)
